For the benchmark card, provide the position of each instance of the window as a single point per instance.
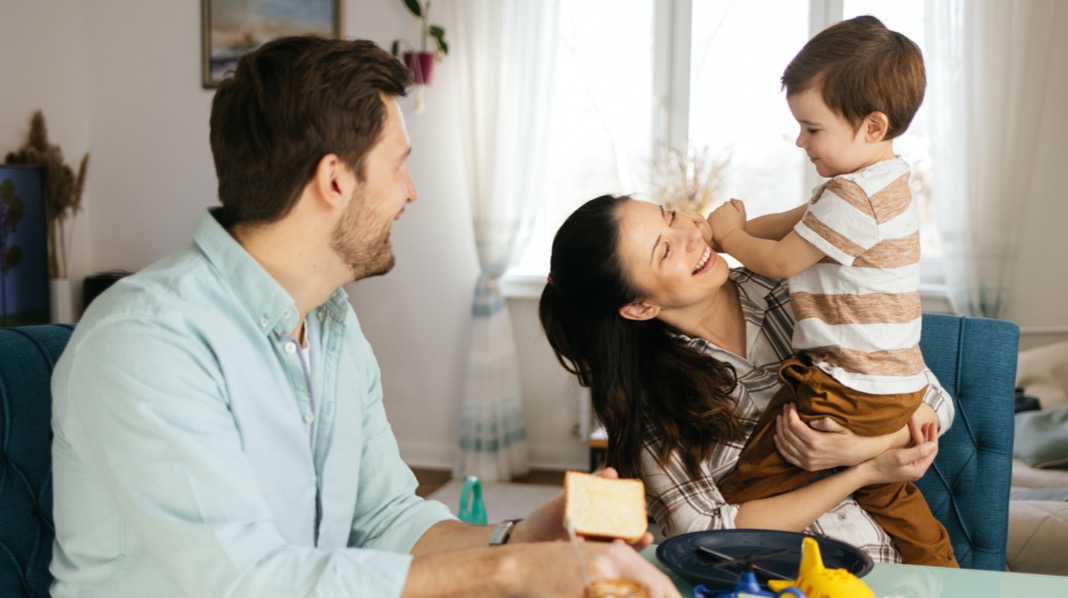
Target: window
(602, 120)
(634, 76)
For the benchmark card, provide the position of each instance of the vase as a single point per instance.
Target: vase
(421, 64)
(61, 306)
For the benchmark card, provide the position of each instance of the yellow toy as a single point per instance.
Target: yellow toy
(816, 581)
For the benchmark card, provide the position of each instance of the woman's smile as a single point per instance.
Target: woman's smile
(708, 259)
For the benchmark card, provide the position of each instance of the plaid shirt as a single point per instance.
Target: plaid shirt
(680, 504)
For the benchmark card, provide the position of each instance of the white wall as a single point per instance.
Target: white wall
(43, 67)
(122, 80)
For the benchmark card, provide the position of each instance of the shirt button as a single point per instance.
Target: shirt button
(291, 347)
(842, 517)
(309, 417)
(322, 314)
(263, 322)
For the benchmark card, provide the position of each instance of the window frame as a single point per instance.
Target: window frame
(672, 35)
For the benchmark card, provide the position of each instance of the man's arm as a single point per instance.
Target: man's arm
(537, 570)
(543, 524)
(452, 535)
(536, 545)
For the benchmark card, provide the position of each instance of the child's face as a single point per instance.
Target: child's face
(829, 140)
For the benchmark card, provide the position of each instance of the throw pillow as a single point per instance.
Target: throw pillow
(1042, 438)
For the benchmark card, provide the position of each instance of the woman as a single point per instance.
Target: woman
(681, 356)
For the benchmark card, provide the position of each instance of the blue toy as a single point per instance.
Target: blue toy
(747, 587)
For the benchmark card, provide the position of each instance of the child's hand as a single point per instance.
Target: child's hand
(727, 218)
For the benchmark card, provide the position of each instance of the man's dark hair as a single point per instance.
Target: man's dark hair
(859, 67)
(288, 104)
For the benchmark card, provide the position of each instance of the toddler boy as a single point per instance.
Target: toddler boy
(852, 258)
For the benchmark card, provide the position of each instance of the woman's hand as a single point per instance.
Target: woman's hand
(905, 464)
(546, 523)
(824, 443)
(924, 414)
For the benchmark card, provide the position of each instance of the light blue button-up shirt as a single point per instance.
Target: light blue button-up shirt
(194, 457)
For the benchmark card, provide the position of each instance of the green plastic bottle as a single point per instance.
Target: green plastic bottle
(472, 509)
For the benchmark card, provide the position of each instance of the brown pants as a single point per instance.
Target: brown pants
(898, 507)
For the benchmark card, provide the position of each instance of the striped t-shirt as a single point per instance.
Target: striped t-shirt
(858, 309)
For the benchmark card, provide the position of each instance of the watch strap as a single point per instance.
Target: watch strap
(502, 532)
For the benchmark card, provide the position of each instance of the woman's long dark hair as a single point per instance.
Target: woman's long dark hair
(638, 375)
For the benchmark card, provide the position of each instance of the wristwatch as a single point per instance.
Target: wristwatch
(502, 532)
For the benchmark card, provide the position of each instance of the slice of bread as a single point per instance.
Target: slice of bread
(616, 588)
(605, 508)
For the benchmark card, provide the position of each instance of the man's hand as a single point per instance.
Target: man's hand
(533, 570)
(546, 523)
(725, 219)
(551, 570)
(823, 443)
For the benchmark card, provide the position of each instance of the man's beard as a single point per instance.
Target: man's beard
(366, 252)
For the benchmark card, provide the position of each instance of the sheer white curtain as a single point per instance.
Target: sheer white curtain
(503, 52)
(987, 63)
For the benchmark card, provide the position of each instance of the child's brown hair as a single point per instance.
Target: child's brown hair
(859, 67)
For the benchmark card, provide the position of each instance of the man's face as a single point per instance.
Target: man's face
(362, 236)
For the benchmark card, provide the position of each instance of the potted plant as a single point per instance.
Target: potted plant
(688, 182)
(421, 61)
(63, 201)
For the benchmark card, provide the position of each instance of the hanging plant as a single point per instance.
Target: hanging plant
(421, 61)
(64, 190)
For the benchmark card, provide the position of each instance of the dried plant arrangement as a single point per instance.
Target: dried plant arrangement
(688, 182)
(64, 197)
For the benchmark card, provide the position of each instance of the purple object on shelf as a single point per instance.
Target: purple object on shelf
(421, 64)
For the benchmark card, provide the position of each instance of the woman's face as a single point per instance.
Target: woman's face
(668, 255)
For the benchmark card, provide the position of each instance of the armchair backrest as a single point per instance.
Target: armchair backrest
(967, 488)
(27, 356)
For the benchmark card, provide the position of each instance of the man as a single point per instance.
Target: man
(218, 417)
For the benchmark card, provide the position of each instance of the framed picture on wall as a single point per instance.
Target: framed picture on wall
(23, 246)
(230, 28)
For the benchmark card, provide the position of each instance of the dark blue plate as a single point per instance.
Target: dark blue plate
(682, 555)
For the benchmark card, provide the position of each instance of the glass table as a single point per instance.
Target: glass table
(913, 581)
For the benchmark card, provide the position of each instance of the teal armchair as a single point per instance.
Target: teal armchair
(967, 488)
(27, 356)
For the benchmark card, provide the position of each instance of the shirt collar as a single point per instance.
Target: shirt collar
(273, 309)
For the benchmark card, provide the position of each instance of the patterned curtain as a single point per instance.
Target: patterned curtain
(504, 52)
